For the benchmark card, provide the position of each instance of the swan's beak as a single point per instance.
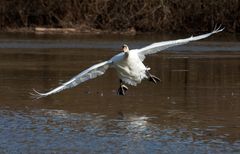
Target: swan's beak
(122, 49)
(125, 48)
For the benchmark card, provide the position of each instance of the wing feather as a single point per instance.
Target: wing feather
(159, 46)
(90, 73)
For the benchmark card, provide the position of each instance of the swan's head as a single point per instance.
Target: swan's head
(125, 48)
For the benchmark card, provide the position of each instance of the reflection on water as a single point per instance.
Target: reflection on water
(60, 131)
(195, 109)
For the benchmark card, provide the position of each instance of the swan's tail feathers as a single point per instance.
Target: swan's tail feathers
(37, 95)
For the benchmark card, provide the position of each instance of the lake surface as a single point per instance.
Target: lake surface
(195, 109)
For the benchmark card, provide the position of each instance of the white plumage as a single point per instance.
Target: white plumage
(130, 69)
(128, 64)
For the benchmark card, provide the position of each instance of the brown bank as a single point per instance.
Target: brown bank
(118, 16)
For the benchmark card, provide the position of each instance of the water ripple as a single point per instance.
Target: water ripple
(50, 131)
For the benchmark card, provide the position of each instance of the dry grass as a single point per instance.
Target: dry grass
(120, 15)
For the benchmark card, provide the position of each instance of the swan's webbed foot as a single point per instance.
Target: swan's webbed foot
(153, 79)
(122, 89)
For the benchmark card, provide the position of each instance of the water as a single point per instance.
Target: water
(195, 109)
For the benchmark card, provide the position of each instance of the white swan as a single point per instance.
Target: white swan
(128, 64)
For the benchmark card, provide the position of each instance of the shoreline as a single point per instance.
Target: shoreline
(69, 30)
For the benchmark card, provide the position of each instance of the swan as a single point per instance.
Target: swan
(128, 65)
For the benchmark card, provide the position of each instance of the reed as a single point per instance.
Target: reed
(121, 15)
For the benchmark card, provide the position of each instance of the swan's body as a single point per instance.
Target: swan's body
(129, 67)
(128, 64)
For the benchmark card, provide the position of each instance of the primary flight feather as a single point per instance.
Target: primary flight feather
(128, 64)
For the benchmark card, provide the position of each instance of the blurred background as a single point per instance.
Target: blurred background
(121, 15)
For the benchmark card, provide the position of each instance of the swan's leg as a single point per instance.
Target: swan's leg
(122, 89)
(153, 78)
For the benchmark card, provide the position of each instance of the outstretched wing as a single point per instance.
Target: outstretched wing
(90, 73)
(159, 46)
